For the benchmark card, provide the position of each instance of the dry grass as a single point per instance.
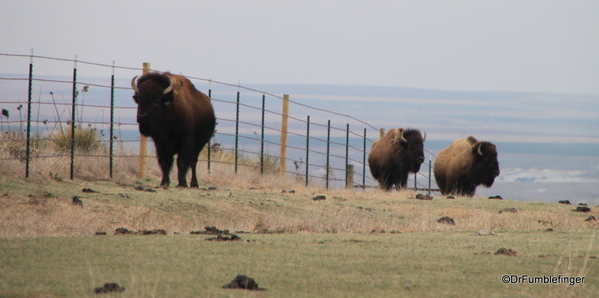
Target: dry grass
(251, 202)
(41, 205)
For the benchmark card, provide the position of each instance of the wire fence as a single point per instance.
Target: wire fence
(318, 145)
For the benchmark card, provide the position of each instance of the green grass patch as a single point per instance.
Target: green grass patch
(353, 244)
(299, 265)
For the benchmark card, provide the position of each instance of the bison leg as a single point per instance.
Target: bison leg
(194, 178)
(466, 189)
(386, 183)
(166, 163)
(402, 182)
(182, 165)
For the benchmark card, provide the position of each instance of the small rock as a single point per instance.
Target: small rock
(423, 197)
(549, 230)
(89, 190)
(212, 188)
(284, 191)
(565, 202)
(513, 210)
(446, 220)
(77, 201)
(243, 282)
(506, 251)
(109, 288)
(123, 231)
(319, 198)
(485, 232)
(582, 209)
(495, 198)
(410, 284)
(451, 197)
(292, 191)
(590, 218)
(100, 233)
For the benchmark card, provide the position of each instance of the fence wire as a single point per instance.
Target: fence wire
(54, 111)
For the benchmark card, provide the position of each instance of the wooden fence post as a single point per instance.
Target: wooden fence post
(284, 129)
(143, 140)
(349, 176)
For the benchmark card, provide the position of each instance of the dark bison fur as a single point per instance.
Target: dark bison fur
(464, 165)
(396, 155)
(179, 118)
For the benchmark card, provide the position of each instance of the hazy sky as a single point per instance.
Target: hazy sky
(538, 46)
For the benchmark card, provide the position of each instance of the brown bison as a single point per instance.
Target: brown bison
(464, 165)
(178, 117)
(394, 156)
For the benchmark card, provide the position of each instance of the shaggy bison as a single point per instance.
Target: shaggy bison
(394, 156)
(178, 117)
(464, 165)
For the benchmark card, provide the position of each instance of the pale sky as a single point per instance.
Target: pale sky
(531, 46)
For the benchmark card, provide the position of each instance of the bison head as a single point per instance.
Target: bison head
(486, 166)
(153, 92)
(412, 147)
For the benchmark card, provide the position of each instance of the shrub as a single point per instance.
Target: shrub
(87, 139)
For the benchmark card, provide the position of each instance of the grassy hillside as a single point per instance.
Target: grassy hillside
(352, 244)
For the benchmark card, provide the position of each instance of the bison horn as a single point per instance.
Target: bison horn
(134, 85)
(170, 85)
(478, 150)
(424, 138)
(401, 137)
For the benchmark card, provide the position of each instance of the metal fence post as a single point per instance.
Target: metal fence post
(210, 140)
(73, 120)
(28, 160)
(307, 149)
(111, 167)
(364, 163)
(262, 135)
(430, 167)
(415, 186)
(328, 152)
(347, 144)
(237, 134)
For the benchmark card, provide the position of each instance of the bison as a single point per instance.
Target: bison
(394, 156)
(464, 165)
(179, 119)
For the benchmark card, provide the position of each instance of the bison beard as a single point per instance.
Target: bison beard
(392, 158)
(179, 118)
(464, 165)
